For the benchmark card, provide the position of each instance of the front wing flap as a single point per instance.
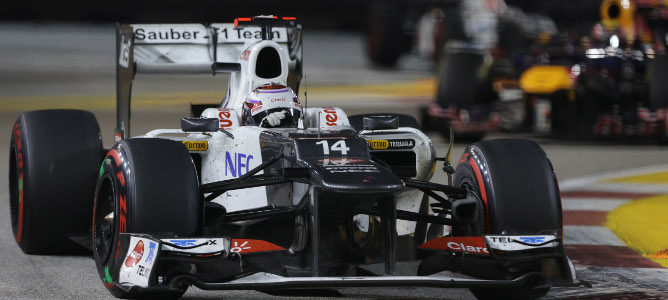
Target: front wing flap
(149, 264)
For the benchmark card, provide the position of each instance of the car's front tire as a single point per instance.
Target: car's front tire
(144, 186)
(518, 190)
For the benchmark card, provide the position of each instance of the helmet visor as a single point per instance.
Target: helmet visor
(288, 118)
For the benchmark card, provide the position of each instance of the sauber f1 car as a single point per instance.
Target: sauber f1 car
(262, 193)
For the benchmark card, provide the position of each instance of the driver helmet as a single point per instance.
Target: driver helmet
(272, 106)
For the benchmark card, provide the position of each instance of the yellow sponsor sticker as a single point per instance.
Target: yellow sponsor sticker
(196, 145)
(378, 144)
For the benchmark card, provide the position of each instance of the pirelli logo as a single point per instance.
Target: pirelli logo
(378, 144)
(196, 145)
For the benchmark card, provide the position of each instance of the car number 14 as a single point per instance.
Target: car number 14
(340, 146)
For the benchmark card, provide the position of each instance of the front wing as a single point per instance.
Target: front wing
(151, 264)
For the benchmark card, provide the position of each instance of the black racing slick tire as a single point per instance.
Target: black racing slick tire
(658, 75)
(459, 80)
(462, 84)
(386, 39)
(517, 186)
(145, 185)
(53, 160)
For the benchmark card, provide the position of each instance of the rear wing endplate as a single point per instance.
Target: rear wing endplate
(191, 49)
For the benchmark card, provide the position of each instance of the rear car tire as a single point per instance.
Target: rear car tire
(146, 186)
(425, 120)
(658, 90)
(563, 117)
(53, 162)
(517, 186)
(460, 86)
(459, 79)
(385, 36)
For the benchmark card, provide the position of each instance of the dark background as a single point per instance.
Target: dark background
(345, 15)
(319, 14)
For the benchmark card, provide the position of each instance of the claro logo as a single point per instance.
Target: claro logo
(475, 245)
(466, 248)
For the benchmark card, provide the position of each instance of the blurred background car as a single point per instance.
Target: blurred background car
(569, 68)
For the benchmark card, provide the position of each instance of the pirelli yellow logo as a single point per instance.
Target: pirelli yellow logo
(196, 145)
(378, 144)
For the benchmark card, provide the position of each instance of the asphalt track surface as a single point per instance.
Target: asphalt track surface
(71, 66)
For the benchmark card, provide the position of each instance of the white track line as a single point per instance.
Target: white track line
(590, 235)
(626, 188)
(596, 204)
(585, 181)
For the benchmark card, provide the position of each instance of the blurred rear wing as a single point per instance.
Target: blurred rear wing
(192, 49)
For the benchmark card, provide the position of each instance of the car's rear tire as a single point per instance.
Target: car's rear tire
(385, 36)
(460, 86)
(518, 189)
(53, 162)
(147, 186)
(425, 120)
(563, 116)
(459, 79)
(658, 90)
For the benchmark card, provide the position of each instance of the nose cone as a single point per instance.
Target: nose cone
(359, 175)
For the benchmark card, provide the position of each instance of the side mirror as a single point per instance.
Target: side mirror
(380, 122)
(199, 124)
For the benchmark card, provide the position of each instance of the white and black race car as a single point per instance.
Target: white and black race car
(262, 193)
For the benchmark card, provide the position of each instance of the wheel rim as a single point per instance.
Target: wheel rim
(468, 185)
(105, 222)
(13, 188)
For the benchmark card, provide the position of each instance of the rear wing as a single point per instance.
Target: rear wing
(194, 49)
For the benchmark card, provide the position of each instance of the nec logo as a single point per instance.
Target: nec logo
(237, 163)
(532, 239)
(183, 243)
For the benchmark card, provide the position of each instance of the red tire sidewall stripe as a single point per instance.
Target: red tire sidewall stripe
(483, 191)
(462, 159)
(122, 196)
(19, 155)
